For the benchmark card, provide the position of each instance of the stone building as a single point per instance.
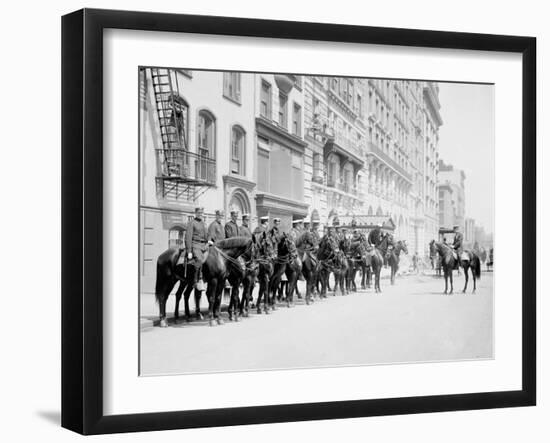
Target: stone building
(285, 146)
(374, 152)
(451, 196)
(197, 148)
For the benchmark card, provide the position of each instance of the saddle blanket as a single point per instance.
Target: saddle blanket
(464, 256)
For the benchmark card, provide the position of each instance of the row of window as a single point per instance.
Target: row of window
(266, 109)
(206, 135)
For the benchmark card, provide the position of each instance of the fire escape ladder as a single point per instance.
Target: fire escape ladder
(178, 166)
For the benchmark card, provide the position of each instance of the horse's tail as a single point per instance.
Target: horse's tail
(477, 267)
(163, 273)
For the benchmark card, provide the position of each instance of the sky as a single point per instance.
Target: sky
(466, 140)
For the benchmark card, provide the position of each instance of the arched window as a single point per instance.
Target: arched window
(333, 167)
(206, 147)
(175, 237)
(206, 129)
(238, 150)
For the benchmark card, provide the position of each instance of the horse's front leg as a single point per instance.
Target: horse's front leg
(211, 294)
(162, 297)
(466, 278)
(218, 303)
(178, 298)
(451, 281)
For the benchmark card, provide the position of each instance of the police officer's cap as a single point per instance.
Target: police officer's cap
(234, 212)
(246, 216)
(219, 212)
(276, 219)
(264, 218)
(199, 209)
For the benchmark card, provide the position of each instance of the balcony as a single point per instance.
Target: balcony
(347, 147)
(374, 149)
(187, 167)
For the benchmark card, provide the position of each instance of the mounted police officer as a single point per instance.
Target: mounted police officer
(215, 230)
(315, 235)
(295, 232)
(457, 243)
(275, 231)
(197, 242)
(263, 224)
(231, 227)
(244, 230)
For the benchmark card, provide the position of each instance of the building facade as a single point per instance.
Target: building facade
(451, 196)
(285, 146)
(374, 152)
(197, 148)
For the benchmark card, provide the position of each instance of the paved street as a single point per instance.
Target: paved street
(411, 321)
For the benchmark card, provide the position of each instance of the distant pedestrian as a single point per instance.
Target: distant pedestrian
(415, 262)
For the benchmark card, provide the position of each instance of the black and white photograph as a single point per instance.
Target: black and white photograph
(295, 221)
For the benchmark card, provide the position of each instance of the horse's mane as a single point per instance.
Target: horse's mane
(233, 242)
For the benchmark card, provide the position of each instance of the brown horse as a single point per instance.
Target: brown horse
(450, 263)
(331, 259)
(393, 258)
(310, 263)
(288, 263)
(169, 272)
(243, 271)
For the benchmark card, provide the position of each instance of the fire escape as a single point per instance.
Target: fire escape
(181, 173)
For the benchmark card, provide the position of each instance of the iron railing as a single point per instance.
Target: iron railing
(186, 166)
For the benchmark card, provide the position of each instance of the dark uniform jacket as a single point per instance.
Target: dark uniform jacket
(457, 244)
(215, 231)
(231, 229)
(196, 238)
(244, 231)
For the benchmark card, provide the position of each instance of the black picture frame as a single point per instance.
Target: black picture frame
(82, 215)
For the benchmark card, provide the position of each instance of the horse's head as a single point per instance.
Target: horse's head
(402, 245)
(345, 244)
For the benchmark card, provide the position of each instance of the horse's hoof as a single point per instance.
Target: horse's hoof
(220, 321)
(199, 316)
(237, 319)
(464, 291)
(163, 323)
(245, 314)
(258, 311)
(266, 311)
(212, 322)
